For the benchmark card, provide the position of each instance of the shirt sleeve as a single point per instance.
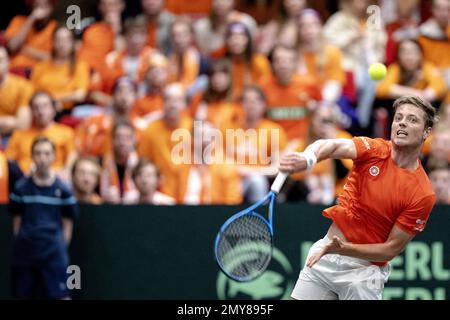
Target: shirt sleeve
(413, 220)
(367, 148)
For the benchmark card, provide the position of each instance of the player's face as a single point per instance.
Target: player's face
(147, 180)
(85, 177)
(43, 156)
(408, 126)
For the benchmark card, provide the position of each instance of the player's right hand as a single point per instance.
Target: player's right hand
(293, 162)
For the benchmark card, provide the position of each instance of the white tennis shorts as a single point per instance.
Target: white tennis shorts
(337, 277)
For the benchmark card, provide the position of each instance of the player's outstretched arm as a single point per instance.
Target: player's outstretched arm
(320, 150)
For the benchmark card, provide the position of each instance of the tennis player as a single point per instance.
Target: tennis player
(386, 201)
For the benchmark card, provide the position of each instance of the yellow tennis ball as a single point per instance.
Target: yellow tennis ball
(377, 71)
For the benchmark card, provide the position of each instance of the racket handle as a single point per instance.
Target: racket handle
(279, 181)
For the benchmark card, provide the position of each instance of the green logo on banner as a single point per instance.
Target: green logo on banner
(275, 283)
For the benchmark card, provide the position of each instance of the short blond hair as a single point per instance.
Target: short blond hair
(430, 111)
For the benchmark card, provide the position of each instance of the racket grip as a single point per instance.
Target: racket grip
(279, 181)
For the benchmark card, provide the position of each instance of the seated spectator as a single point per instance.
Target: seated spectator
(184, 60)
(283, 29)
(435, 38)
(210, 31)
(43, 111)
(247, 67)
(158, 22)
(146, 178)
(149, 107)
(257, 153)
(15, 93)
(93, 134)
(362, 44)
(404, 26)
(63, 76)
(30, 39)
(439, 154)
(156, 143)
(102, 37)
(289, 95)
(440, 180)
(10, 173)
(116, 182)
(210, 179)
(411, 76)
(318, 59)
(132, 61)
(85, 180)
(217, 105)
(326, 180)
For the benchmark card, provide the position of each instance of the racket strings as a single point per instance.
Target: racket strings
(245, 247)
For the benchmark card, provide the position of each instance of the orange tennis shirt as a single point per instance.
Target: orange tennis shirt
(379, 194)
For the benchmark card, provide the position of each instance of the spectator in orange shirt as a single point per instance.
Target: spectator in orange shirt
(210, 31)
(43, 112)
(290, 97)
(102, 37)
(411, 75)
(159, 21)
(30, 38)
(63, 76)
(404, 27)
(218, 106)
(195, 8)
(439, 154)
(157, 144)
(318, 59)
(146, 177)
(435, 38)
(210, 179)
(257, 150)
(184, 61)
(116, 182)
(150, 107)
(283, 29)
(15, 93)
(85, 180)
(247, 67)
(93, 134)
(132, 61)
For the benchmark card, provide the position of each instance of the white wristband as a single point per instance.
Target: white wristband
(310, 157)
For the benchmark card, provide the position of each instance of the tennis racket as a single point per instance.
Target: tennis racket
(244, 243)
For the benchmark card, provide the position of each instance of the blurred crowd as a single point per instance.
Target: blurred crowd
(113, 93)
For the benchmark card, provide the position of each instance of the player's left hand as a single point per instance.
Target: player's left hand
(335, 246)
